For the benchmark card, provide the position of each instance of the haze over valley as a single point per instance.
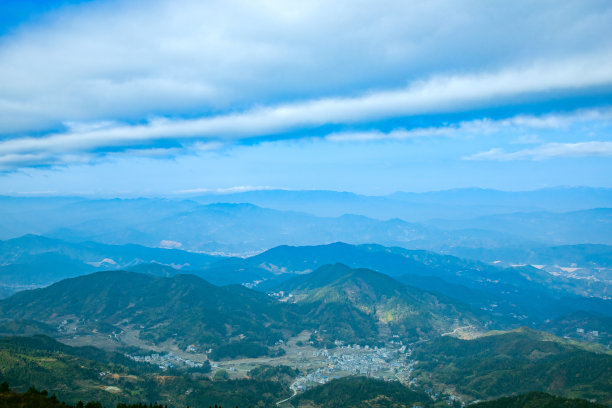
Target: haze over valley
(305, 204)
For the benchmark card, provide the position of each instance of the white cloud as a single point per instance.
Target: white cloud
(441, 94)
(227, 190)
(169, 244)
(477, 127)
(124, 75)
(548, 151)
(127, 60)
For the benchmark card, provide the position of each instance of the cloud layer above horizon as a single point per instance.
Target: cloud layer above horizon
(170, 82)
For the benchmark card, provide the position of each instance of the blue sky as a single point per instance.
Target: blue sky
(161, 97)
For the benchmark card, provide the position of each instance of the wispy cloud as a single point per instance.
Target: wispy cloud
(127, 60)
(548, 151)
(226, 190)
(517, 125)
(439, 94)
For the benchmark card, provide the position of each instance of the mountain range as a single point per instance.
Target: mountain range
(520, 294)
(248, 223)
(185, 309)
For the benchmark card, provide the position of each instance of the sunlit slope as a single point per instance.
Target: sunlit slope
(376, 298)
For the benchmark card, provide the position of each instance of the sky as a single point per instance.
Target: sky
(171, 97)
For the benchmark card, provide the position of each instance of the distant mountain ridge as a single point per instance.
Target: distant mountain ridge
(417, 207)
(242, 228)
(33, 261)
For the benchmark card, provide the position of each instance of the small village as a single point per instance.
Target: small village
(378, 362)
(166, 360)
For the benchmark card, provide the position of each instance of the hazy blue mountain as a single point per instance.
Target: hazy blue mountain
(22, 249)
(557, 199)
(243, 229)
(415, 207)
(583, 255)
(236, 271)
(593, 226)
(33, 261)
(42, 269)
(22, 327)
(582, 326)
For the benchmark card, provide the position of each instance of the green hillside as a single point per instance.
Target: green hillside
(373, 302)
(90, 374)
(520, 294)
(340, 303)
(353, 392)
(183, 308)
(537, 399)
(514, 362)
(71, 373)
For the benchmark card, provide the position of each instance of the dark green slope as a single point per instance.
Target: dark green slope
(33, 399)
(372, 393)
(368, 295)
(537, 399)
(515, 362)
(354, 392)
(72, 373)
(184, 307)
(25, 328)
(89, 374)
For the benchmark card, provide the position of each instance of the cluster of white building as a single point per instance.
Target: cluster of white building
(357, 360)
(165, 361)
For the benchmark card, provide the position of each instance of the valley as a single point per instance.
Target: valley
(299, 325)
(305, 204)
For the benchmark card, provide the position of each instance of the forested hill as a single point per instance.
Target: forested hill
(537, 399)
(409, 312)
(345, 393)
(184, 307)
(515, 362)
(189, 310)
